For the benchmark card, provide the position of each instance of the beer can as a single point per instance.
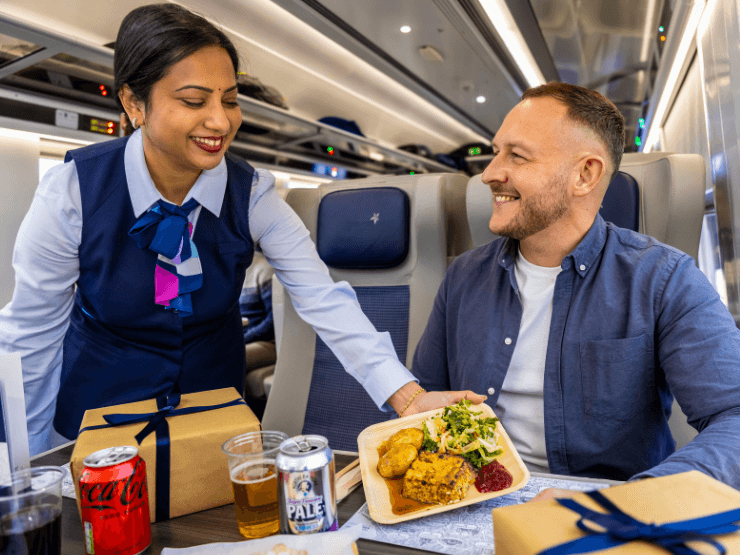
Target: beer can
(114, 503)
(306, 492)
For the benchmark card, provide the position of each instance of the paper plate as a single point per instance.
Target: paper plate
(376, 490)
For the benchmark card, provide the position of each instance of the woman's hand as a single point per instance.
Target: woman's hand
(428, 400)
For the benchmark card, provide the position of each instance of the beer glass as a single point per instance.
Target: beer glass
(254, 479)
(31, 511)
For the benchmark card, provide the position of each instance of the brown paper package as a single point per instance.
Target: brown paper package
(530, 528)
(199, 472)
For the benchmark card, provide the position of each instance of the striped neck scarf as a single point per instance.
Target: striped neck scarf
(165, 229)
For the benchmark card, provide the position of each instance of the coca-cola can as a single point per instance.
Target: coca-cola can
(114, 502)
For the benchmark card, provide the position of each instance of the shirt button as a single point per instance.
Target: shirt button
(507, 340)
(582, 267)
(491, 391)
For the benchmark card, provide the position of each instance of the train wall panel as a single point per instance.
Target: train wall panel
(717, 39)
(19, 177)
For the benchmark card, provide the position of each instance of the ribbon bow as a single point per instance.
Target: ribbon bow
(165, 230)
(157, 422)
(617, 528)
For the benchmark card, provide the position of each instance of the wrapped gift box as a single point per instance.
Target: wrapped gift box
(198, 470)
(530, 528)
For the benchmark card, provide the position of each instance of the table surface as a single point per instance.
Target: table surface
(213, 525)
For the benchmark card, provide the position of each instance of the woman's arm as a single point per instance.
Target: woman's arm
(46, 265)
(332, 308)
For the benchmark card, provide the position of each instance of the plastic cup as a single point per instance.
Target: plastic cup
(254, 480)
(31, 511)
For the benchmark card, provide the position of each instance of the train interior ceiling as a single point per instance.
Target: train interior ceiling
(408, 87)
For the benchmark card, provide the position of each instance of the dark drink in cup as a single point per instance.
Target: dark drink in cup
(31, 512)
(32, 531)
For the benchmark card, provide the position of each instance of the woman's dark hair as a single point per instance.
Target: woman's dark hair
(590, 109)
(153, 38)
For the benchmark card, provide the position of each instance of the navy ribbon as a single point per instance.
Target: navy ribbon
(157, 423)
(164, 228)
(617, 528)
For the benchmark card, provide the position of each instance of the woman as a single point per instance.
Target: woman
(156, 231)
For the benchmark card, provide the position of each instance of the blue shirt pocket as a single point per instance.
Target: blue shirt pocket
(618, 376)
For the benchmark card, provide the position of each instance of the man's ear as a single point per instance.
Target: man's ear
(132, 105)
(591, 171)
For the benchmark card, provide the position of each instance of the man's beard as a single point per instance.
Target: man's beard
(538, 212)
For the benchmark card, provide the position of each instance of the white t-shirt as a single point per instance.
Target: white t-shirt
(520, 404)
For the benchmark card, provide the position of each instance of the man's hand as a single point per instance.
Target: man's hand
(428, 400)
(552, 493)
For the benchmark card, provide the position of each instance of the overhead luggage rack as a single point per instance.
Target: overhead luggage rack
(268, 133)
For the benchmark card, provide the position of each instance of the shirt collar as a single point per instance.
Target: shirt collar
(585, 254)
(507, 255)
(581, 258)
(208, 189)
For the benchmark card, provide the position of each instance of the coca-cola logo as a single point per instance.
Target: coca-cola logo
(102, 496)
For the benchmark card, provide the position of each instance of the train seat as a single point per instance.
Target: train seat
(458, 241)
(458, 230)
(672, 190)
(395, 285)
(668, 205)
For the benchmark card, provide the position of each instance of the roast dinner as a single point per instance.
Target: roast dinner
(438, 462)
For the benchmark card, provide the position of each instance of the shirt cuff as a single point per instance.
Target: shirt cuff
(385, 380)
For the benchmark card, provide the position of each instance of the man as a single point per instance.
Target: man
(581, 332)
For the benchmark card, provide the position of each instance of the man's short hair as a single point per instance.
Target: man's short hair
(591, 109)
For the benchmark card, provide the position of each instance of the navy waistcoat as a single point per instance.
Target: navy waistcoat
(120, 346)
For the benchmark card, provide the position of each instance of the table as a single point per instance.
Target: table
(213, 525)
(218, 524)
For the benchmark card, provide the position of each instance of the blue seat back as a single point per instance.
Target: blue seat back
(338, 406)
(387, 237)
(359, 229)
(621, 204)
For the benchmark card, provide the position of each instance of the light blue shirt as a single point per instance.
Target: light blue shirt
(46, 264)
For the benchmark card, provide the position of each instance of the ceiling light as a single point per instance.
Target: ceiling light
(23, 135)
(480, 99)
(500, 17)
(431, 54)
(405, 29)
(686, 40)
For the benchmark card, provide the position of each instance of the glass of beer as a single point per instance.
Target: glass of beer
(31, 511)
(254, 479)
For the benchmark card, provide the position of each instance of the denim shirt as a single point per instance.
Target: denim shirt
(634, 322)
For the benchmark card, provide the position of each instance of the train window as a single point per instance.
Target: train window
(710, 261)
(285, 180)
(45, 164)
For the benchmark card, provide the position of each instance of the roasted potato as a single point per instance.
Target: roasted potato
(395, 462)
(411, 436)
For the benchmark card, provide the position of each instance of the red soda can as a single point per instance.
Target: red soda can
(114, 502)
